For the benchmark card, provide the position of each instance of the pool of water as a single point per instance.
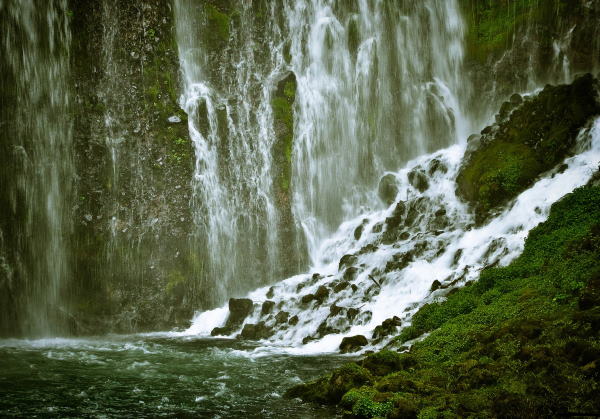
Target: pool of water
(154, 376)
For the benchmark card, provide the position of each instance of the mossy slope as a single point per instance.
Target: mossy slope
(538, 135)
(523, 341)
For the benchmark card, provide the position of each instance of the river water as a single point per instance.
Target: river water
(153, 376)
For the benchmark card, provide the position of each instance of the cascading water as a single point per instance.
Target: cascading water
(231, 125)
(385, 263)
(34, 55)
(379, 83)
(361, 108)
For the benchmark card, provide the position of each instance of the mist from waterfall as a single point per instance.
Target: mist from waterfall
(34, 59)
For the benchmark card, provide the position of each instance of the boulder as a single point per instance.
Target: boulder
(341, 286)
(395, 219)
(418, 179)
(388, 189)
(325, 329)
(387, 328)
(353, 343)
(220, 331)
(307, 298)
(350, 273)
(352, 313)
(347, 260)
(322, 294)
(256, 331)
(282, 317)
(436, 166)
(538, 135)
(334, 310)
(267, 307)
(436, 285)
(293, 321)
(239, 309)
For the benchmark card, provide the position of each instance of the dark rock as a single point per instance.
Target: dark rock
(457, 257)
(350, 273)
(334, 310)
(418, 180)
(340, 286)
(271, 292)
(399, 262)
(239, 309)
(347, 260)
(354, 287)
(387, 328)
(388, 189)
(282, 317)
(220, 331)
(437, 166)
(352, 313)
(267, 307)
(435, 285)
(322, 294)
(256, 331)
(359, 230)
(377, 228)
(369, 248)
(516, 99)
(307, 298)
(325, 329)
(353, 343)
(397, 216)
(308, 339)
(293, 321)
(538, 135)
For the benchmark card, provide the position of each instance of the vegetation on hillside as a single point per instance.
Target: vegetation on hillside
(523, 341)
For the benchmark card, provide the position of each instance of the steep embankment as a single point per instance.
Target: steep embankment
(522, 340)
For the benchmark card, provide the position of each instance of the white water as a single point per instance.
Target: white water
(403, 291)
(231, 126)
(378, 82)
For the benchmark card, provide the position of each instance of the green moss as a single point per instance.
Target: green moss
(523, 341)
(492, 24)
(282, 104)
(217, 26)
(534, 138)
(362, 404)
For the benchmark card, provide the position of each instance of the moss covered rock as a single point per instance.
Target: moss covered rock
(534, 138)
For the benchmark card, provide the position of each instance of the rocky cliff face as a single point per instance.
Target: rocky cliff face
(515, 46)
(133, 258)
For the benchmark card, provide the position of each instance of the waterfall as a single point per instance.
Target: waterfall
(34, 59)
(378, 83)
(228, 100)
